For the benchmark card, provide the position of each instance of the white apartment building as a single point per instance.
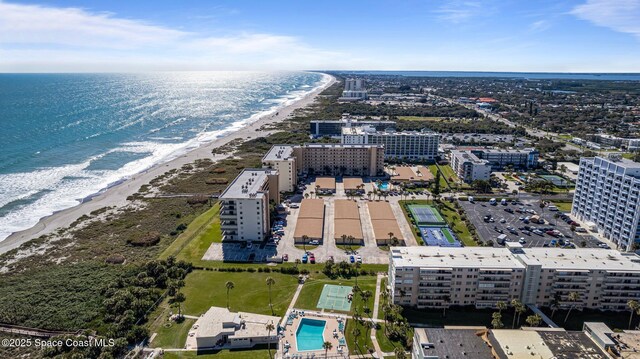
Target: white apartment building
(406, 145)
(282, 159)
(354, 90)
(608, 195)
(469, 167)
(437, 277)
(499, 158)
(244, 211)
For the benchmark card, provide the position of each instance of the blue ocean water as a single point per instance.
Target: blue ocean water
(67, 136)
(509, 75)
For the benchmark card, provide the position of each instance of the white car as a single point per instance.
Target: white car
(359, 258)
(294, 205)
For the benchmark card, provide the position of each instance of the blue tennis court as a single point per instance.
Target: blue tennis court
(425, 214)
(439, 236)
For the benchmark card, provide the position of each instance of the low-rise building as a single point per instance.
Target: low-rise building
(500, 158)
(282, 159)
(333, 128)
(608, 194)
(405, 145)
(469, 167)
(621, 344)
(244, 209)
(220, 327)
(436, 277)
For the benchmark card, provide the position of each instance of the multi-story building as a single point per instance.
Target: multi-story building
(281, 158)
(499, 158)
(319, 128)
(633, 145)
(244, 211)
(354, 90)
(608, 195)
(340, 159)
(437, 277)
(406, 145)
(469, 167)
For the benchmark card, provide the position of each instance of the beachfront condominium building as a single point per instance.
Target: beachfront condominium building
(608, 195)
(354, 90)
(469, 167)
(319, 128)
(499, 158)
(282, 159)
(244, 210)
(340, 159)
(406, 145)
(437, 277)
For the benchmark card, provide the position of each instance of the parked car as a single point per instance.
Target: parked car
(285, 257)
(294, 205)
(314, 242)
(305, 258)
(312, 259)
(359, 258)
(352, 259)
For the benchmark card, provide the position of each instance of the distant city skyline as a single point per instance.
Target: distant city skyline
(452, 35)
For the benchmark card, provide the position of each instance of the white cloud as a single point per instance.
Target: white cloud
(618, 15)
(459, 11)
(42, 38)
(539, 26)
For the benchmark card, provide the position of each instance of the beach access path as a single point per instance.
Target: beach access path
(116, 196)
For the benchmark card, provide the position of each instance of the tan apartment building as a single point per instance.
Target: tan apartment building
(281, 158)
(435, 277)
(340, 159)
(244, 211)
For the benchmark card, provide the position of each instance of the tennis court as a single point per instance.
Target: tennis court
(557, 180)
(427, 215)
(335, 297)
(439, 236)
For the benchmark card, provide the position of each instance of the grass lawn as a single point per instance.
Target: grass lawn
(419, 118)
(348, 247)
(171, 334)
(383, 285)
(204, 289)
(386, 343)
(452, 218)
(563, 206)
(312, 289)
(191, 245)
(364, 339)
(222, 354)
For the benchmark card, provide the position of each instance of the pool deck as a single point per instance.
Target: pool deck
(331, 325)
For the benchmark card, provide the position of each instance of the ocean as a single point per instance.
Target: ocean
(66, 137)
(507, 75)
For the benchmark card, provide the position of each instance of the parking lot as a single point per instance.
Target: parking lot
(503, 220)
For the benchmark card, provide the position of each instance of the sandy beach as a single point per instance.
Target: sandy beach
(117, 195)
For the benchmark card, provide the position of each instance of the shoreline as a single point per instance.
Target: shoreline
(116, 194)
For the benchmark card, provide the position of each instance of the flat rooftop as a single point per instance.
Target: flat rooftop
(213, 323)
(248, 184)
(516, 343)
(352, 183)
(345, 208)
(468, 156)
(311, 208)
(339, 145)
(583, 259)
(571, 345)
(452, 343)
(445, 257)
(279, 153)
(326, 183)
(380, 210)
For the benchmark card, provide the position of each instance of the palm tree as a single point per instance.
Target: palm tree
(306, 195)
(229, 285)
(297, 262)
(305, 238)
(520, 309)
(496, 321)
(356, 333)
(573, 297)
(270, 281)
(327, 346)
(390, 234)
(344, 238)
(633, 307)
(400, 354)
(269, 328)
(534, 320)
(515, 304)
(311, 193)
(501, 306)
(555, 304)
(446, 300)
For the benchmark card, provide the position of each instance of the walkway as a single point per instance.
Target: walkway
(292, 304)
(544, 317)
(376, 305)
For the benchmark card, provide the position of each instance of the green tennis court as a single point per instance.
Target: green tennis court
(335, 297)
(426, 215)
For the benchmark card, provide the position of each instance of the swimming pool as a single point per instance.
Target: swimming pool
(309, 335)
(384, 186)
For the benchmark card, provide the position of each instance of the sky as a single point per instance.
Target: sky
(437, 35)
